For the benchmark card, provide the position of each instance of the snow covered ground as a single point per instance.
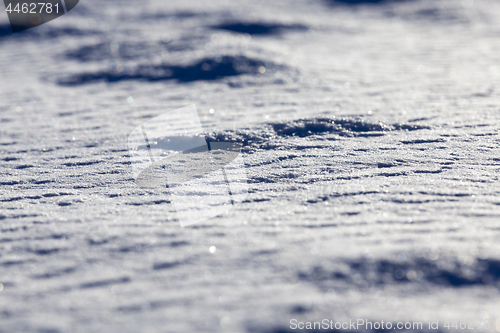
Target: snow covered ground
(370, 141)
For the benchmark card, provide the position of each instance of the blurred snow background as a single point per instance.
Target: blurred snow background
(370, 139)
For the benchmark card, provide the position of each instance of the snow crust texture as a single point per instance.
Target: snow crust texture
(369, 134)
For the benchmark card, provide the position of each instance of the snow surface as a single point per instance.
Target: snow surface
(370, 143)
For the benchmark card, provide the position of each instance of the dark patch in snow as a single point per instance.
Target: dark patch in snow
(12, 199)
(127, 50)
(44, 252)
(83, 163)
(104, 283)
(151, 305)
(341, 126)
(420, 141)
(207, 69)
(55, 273)
(9, 182)
(41, 182)
(271, 137)
(154, 202)
(24, 166)
(8, 159)
(166, 265)
(259, 28)
(175, 15)
(366, 273)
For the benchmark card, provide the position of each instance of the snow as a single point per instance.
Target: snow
(369, 142)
